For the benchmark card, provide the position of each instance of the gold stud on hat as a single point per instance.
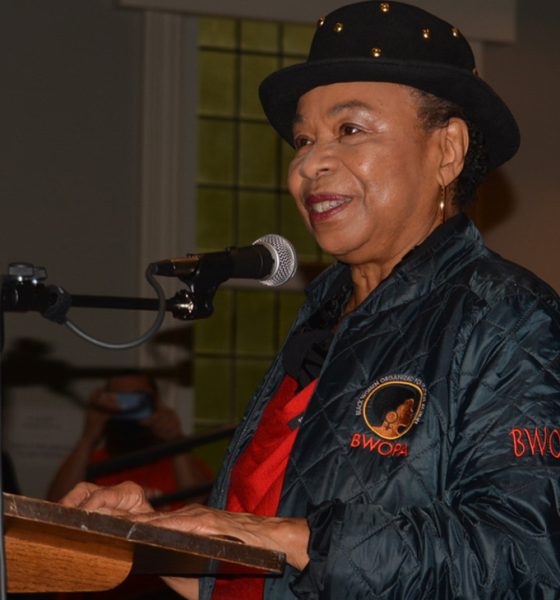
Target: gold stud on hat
(320, 22)
(338, 27)
(376, 52)
(426, 33)
(384, 7)
(455, 32)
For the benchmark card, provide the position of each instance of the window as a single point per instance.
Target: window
(241, 195)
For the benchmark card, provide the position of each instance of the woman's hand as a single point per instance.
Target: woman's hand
(124, 500)
(290, 536)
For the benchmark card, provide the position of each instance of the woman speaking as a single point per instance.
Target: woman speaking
(405, 443)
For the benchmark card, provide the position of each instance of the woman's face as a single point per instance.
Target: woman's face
(365, 172)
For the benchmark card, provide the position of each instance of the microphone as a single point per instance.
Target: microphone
(271, 259)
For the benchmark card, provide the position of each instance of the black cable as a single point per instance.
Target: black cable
(143, 338)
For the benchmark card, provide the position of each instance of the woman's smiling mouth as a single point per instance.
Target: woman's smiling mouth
(322, 206)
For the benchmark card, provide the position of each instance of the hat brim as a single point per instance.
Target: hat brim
(280, 92)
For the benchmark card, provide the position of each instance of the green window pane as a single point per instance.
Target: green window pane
(217, 83)
(214, 219)
(213, 384)
(326, 259)
(257, 216)
(287, 156)
(296, 39)
(216, 146)
(253, 70)
(288, 61)
(290, 303)
(293, 228)
(217, 32)
(259, 35)
(258, 154)
(214, 335)
(254, 328)
(249, 375)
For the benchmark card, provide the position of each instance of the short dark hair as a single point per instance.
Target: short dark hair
(132, 372)
(435, 112)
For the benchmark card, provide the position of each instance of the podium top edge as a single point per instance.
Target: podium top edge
(127, 531)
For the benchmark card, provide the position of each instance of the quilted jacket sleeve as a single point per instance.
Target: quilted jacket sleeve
(494, 532)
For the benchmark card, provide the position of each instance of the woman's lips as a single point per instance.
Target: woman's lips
(324, 206)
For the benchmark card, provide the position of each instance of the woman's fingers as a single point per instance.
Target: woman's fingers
(122, 499)
(128, 500)
(78, 494)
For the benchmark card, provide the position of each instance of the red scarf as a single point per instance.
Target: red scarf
(258, 475)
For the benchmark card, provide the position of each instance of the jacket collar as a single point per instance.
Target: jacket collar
(444, 252)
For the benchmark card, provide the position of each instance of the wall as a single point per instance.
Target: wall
(520, 209)
(69, 155)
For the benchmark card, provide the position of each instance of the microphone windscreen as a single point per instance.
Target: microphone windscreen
(284, 256)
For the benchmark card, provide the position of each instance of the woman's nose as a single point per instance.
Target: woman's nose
(320, 159)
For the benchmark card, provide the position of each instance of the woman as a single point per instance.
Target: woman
(407, 433)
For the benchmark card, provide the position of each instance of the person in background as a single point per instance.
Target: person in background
(405, 443)
(127, 415)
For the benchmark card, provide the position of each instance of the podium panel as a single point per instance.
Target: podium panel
(53, 548)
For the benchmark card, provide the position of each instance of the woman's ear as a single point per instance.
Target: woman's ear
(454, 145)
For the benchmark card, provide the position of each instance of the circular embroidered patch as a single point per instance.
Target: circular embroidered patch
(392, 408)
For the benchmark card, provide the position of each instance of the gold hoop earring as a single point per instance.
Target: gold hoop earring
(442, 203)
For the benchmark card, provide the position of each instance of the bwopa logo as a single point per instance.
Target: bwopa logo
(390, 408)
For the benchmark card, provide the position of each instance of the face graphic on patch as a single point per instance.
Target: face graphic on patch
(397, 421)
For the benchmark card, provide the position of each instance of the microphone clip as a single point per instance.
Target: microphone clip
(189, 305)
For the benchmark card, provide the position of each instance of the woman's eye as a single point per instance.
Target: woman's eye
(348, 129)
(301, 141)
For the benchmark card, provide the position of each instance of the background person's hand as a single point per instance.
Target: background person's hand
(164, 424)
(102, 406)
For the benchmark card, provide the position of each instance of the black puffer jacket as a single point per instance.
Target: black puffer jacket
(428, 460)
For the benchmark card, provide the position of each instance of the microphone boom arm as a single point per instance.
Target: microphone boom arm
(25, 294)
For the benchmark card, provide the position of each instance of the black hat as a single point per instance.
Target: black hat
(397, 43)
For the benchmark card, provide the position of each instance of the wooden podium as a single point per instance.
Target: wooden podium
(53, 548)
